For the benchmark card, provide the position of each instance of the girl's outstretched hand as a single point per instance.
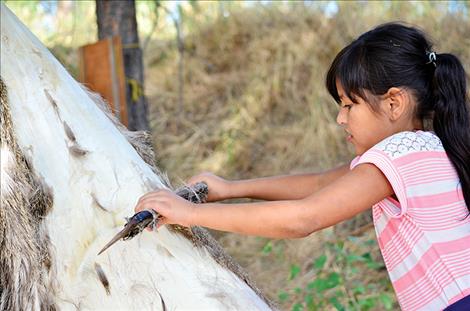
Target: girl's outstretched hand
(172, 208)
(219, 188)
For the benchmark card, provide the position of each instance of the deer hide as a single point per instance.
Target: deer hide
(69, 177)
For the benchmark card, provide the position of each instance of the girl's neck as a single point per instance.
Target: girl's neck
(418, 125)
(414, 125)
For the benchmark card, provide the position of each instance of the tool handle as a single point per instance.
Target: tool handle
(196, 193)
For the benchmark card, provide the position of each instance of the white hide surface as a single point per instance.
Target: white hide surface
(187, 278)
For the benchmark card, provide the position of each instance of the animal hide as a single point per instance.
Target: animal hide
(70, 174)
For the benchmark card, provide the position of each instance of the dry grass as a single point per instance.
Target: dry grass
(253, 100)
(255, 105)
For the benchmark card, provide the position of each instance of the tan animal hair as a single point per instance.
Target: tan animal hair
(26, 265)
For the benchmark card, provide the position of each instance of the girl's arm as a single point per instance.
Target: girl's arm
(342, 199)
(286, 187)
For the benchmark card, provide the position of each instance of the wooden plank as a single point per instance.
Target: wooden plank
(121, 76)
(102, 70)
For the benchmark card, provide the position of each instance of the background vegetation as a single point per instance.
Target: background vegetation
(254, 104)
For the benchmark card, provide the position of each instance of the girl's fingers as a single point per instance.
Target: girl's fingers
(161, 222)
(161, 193)
(194, 180)
(145, 196)
(145, 202)
(150, 203)
(199, 178)
(151, 194)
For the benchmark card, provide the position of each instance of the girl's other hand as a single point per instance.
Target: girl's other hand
(219, 188)
(172, 208)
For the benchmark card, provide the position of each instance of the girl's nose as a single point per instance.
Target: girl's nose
(341, 117)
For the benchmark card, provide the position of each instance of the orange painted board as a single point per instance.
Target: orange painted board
(102, 71)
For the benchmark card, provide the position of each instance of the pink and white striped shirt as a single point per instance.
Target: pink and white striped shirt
(424, 237)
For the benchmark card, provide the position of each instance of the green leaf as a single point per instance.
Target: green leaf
(312, 285)
(367, 257)
(309, 302)
(371, 263)
(339, 245)
(375, 265)
(294, 271)
(360, 289)
(297, 307)
(335, 302)
(367, 303)
(339, 293)
(268, 247)
(333, 280)
(353, 258)
(283, 296)
(297, 290)
(319, 285)
(319, 263)
(386, 301)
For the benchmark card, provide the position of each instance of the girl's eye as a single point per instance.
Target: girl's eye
(347, 106)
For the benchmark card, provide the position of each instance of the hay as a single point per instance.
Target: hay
(26, 259)
(255, 101)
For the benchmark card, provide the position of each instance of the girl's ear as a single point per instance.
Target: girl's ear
(396, 103)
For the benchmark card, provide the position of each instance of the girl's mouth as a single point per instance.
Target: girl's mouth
(349, 137)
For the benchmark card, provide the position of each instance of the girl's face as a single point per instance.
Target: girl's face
(364, 127)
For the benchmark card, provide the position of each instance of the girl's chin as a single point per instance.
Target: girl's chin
(359, 150)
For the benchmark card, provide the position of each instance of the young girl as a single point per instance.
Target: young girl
(388, 83)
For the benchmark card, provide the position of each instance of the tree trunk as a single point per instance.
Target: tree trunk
(69, 176)
(117, 18)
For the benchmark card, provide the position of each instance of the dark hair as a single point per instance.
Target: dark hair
(396, 55)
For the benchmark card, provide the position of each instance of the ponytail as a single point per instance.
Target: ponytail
(397, 55)
(451, 121)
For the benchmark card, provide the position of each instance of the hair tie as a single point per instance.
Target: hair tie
(432, 56)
